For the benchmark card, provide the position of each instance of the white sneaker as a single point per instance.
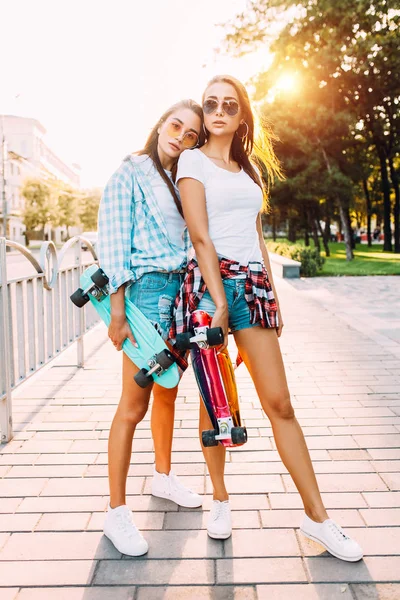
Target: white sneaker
(333, 538)
(219, 522)
(170, 488)
(123, 533)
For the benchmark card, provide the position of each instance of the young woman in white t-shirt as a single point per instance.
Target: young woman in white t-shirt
(143, 249)
(230, 278)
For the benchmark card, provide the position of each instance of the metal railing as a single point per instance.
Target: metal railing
(37, 319)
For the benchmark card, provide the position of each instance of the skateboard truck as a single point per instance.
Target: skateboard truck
(158, 364)
(81, 296)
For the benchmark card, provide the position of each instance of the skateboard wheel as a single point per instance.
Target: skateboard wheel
(165, 359)
(183, 341)
(79, 298)
(208, 438)
(239, 435)
(215, 336)
(142, 379)
(99, 278)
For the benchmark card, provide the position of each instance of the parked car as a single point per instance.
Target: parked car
(91, 236)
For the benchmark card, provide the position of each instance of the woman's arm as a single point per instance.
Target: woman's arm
(195, 213)
(267, 263)
(115, 225)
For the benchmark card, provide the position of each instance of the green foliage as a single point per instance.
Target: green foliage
(40, 204)
(67, 205)
(88, 210)
(310, 259)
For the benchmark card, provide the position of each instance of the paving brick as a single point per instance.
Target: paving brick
(66, 459)
(344, 482)
(241, 519)
(259, 542)
(378, 441)
(9, 593)
(47, 572)
(250, 484)
(62, 504)
(322, 591)
(62, 522)
(381, 517)
(260, 570)
(58, 546)
(392, 480)
(96, 486)
(18, 522)
(331, 500)
(9, 505)
(384, 499)
(46, 471)
(24, 487)
(370, 569)
(375, 541)
(158, 572)
(222, 592)
(78, 593)
(349, 455)
(373, 591)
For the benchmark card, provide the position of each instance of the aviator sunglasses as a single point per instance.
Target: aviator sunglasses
(230, 107)
(190, 138)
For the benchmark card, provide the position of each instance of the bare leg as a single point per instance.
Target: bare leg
(131, 410)
(162, 426)
(262, 355)
(214, 457)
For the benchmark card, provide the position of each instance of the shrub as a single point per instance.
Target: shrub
(310, 259)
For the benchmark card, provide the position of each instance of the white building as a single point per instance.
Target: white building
(27, 155)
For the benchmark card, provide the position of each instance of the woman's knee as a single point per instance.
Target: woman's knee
(279, 406)
(132, 415)
(164, 395)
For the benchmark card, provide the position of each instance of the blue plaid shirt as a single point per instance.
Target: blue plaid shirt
(132, 235)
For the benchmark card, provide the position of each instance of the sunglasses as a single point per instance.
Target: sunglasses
(190, 138)
(230, 107)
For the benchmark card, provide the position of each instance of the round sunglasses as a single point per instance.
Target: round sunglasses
(230, 107)
(190, 138)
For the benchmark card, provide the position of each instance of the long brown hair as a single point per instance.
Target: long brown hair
(151, 145)
(248, 148)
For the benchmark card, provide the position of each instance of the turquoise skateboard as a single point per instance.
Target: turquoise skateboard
(154, 359)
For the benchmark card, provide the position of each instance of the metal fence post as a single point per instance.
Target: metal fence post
(6, 401)
(81, 314)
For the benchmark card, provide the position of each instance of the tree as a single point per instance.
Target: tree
(67, 205)
(88, 209)
(40, 205)
(350, 47)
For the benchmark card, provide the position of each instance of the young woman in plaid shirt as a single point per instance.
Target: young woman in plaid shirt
(143, 246)
(230, 278)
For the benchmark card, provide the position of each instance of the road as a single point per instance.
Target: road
(18, 266)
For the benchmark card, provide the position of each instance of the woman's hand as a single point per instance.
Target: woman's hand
(280, 321)
(119, 330)
(220, 319)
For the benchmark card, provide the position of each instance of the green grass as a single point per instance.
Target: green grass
(367, 261)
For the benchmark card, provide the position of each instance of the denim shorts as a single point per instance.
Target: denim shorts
(154, 294)
(239, 312)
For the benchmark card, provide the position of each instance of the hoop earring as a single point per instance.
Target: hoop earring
(243, 137)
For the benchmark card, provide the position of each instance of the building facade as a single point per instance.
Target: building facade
(26, 154)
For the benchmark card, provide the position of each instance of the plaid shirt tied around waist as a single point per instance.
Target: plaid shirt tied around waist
(258, 293)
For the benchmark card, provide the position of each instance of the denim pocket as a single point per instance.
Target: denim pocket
(155, 282)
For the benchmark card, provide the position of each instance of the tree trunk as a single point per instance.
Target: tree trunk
(369, 211)
(292, 230)
(306, 236)
(273, 225)
(396, 209)
(326, 235)
(387, 245)
(324, 241)
(315, 234)
(344, 218)
(352, 237)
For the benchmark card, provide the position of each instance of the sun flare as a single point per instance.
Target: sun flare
(287, 82)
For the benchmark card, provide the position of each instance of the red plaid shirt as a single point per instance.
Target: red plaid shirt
(258, 293)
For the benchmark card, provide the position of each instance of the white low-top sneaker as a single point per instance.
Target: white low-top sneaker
(123, 533)
(219, 525)
(332, 538)
(170, 488)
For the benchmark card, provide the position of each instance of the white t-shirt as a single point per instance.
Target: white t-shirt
(233, 202)
(175, 224)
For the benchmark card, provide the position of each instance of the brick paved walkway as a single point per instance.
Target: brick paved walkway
(53, 486)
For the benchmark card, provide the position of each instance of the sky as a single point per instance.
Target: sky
(99, 73)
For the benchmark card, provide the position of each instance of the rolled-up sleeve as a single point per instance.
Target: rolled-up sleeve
(115, 225)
